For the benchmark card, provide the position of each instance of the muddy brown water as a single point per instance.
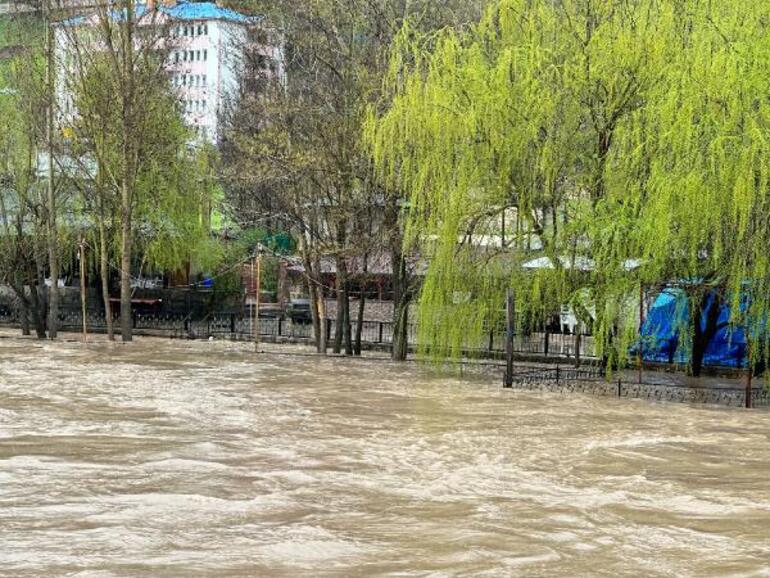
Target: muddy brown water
(164, 458)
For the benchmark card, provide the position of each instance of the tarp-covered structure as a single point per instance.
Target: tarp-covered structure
(665, 334)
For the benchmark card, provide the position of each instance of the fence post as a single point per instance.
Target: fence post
(491, 340)
(379, 337)
(328, 330)
(620, 385)
(280, 327)
(558, 371)
(749, 395)
(547, 340)
(509, 312)
(232, 323)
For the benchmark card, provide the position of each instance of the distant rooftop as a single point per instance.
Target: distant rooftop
(185, 10)
(182, 10)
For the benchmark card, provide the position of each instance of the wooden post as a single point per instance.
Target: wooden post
(83, 300)
(578, 339)
(509, 324)
(749, 377)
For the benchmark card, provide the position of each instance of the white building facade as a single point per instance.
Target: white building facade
(205, 44)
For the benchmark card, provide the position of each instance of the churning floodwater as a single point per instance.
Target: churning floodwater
(168, 458)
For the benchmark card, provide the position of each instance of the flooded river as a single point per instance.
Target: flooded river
(169, 458)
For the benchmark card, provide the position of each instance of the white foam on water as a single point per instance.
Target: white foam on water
(177, 458)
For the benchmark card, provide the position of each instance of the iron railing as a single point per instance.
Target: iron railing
(373, 333)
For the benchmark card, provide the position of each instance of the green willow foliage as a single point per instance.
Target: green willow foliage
(625, 140)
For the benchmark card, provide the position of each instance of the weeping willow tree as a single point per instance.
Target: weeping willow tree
(620, 141)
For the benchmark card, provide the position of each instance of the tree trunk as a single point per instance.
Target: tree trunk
(37, 308)
(710, 305)
(402, 298)
(53, 248)
(128, 166)
(19, 289)
(360, 324)
(126, 321)
(346, 320)
(24, 317)
(104, 272)
(338, 323)
(339, 330)
(322, 335)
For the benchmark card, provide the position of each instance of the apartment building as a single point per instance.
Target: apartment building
(205, 44)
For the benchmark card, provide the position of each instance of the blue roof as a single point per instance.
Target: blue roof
(183, 10)
(205, 11)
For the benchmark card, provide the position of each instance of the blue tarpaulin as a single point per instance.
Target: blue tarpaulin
(665, 334)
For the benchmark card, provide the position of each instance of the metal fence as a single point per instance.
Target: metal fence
(373, 333)
(593, 380)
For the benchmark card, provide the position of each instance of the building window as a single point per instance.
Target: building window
(186, 31)
(204, 106)
(197, 55)
(204, 80)
(176, 56)
(200, 29)
(205, 54)
(206, 29)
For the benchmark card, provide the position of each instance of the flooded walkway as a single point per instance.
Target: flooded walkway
(164, 458)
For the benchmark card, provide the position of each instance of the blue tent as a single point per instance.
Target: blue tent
(665, 334)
